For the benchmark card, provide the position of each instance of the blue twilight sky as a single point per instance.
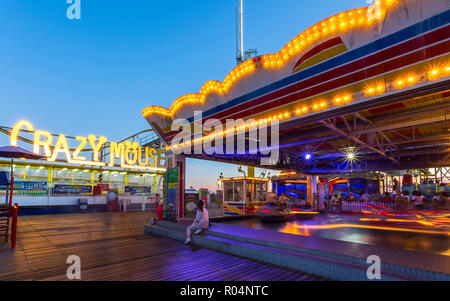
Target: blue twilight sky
(95, 75)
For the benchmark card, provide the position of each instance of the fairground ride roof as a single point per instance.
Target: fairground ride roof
(364, 90)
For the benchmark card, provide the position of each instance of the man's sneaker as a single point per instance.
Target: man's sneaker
(198, 232)
(188, 240)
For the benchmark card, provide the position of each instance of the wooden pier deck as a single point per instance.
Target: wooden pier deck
(114, 247)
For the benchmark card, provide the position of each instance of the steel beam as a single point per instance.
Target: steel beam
(358, 141)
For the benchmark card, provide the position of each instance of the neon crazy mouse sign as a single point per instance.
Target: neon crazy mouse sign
(130, 154)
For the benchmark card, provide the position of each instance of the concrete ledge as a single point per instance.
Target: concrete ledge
(216, 239)
(324, 267)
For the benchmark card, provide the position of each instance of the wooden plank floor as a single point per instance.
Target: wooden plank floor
(114, 247)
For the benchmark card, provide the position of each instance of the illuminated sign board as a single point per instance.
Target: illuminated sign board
(130, 154)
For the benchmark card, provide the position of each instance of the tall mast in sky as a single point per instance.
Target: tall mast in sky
(240, 31)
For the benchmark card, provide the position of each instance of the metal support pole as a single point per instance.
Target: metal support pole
(435, 180)
(420, 177)
(14, 226)
(7, 195)
(240, 32)
(381, 186)
(312, 191)
(11, 192)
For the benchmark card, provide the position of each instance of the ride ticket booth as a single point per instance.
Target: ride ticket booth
(242, 195)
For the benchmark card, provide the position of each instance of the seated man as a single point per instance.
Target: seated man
(200, 223)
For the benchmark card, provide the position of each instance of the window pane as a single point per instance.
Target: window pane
(239, 192)
(228, 191)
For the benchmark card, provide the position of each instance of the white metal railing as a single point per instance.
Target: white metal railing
(143, 203)
(359, 206)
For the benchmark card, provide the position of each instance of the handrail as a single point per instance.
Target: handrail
(359, 206)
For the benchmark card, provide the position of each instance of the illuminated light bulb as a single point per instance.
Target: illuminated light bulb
(447, 69)
(286, 115)
(315, 107)
(305, 109)
(410, 79)
(346, 98)
(370, 90)
(298, 111)
(434, 72)
(338, 100)
(399, 83)
(323, 104)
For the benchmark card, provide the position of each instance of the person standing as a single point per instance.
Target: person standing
(160, 210)
(333, 202)
(395, 186)
(272, 198)
(200, 223)
(394, 197)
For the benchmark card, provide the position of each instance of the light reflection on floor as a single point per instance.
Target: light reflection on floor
(405, 240)
(446, 253)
